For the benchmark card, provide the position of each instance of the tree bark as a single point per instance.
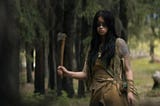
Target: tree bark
(56, 26)
(9, 55)
(83, 29)
(52, 62)
(29, 61)
(80, 62)
(39, 69)
(124, 19)
(152, 46)
(80, 56)
(69, 29)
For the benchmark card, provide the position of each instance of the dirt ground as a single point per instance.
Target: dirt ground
(149, 101)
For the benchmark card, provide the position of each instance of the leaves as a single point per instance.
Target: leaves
(144, 15)
(30, 21)
(90, 9)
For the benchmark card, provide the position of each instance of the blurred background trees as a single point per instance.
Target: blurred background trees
(9, 55)
(30, 28)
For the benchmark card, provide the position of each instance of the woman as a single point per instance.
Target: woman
(103, 67)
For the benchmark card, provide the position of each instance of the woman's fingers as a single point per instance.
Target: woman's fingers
(131, 99)
(63, 69)
(60, 72)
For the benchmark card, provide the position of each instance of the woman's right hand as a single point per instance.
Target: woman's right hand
(62, 71)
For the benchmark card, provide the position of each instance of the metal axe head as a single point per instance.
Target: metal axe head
(61, 36)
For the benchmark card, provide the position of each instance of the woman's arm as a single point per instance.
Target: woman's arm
(124, 52)
(128, 69)
(77, 75)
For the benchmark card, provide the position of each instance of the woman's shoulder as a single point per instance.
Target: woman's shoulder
(120, 41)
(121, 47)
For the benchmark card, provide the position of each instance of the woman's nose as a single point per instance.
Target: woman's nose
(101, 26)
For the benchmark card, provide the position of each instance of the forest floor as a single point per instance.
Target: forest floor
(142, 69)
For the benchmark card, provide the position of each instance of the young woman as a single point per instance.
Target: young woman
(103, 67)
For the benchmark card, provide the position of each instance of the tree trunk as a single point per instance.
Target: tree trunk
(82, 31)
(29, 61)
(124, 19)
(59, 79)
(152, 50)
(9, 55)
(69, 29)
(39, 69)
(56, 25)
(80, 57)
(152, 46)
(51, 83)
(80, 62)
(118, 23)
(52, 62)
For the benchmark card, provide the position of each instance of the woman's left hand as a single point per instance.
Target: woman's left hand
(131, 99)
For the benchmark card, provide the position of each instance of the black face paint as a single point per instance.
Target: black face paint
(101, 24)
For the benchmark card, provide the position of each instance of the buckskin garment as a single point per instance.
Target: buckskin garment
(105, 85)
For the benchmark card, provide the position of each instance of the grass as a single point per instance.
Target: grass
(142, 69)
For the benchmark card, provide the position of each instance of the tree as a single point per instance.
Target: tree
(62, 10)
(41, 40)
(147, 17)
(82, 31)
(29, 60)
(9, 55)
(52, 44)
(124, 18)
(33, 31)
(69, 29)
(39, 83)
(153, 20)
(56, 15)
(26, 30)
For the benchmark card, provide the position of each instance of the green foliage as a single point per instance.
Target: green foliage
(90, 9)
(143, 71)
(63, 100)
(138, 44)
(31, 24)
(141, 16)
(50, 98)
(30, 99)
(137, 17)
(87, 40)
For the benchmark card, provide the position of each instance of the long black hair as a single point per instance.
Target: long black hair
(108, 48)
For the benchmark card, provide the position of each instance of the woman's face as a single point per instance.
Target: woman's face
(101, 27)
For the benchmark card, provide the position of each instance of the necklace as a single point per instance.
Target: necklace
(100, 51)
(99, 54)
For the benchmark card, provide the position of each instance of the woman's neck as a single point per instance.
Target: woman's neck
(102, 40)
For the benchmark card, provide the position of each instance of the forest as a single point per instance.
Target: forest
(36, 36)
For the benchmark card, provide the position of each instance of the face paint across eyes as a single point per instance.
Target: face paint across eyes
(101, 24)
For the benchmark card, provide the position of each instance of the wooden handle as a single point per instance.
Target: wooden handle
(62, 51)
